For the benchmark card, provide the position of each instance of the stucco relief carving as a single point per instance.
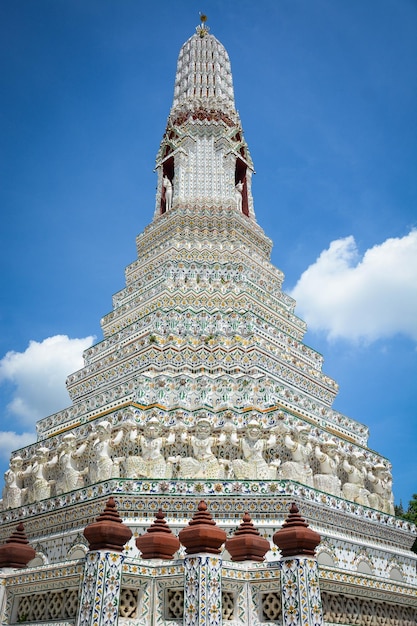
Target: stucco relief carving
(327, 479)
(203, 463)
(138, 446)
(151, 462)
(13, 482)
(102, 444)
(253, 464)
(298, 442)
(381, 497)
(354, 487)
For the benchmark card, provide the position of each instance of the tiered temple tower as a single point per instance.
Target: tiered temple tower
(202, 387)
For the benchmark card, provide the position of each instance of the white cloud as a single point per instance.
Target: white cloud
(10, 441)
(366, 298)
(38, 375)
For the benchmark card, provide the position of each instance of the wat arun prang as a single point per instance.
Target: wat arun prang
(202, 387)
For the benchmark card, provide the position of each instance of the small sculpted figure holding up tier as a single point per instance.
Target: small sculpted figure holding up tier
(354, 488)
(13, 491)
(151, 462)
(298, 469)
(326, 479)
(381, 497)
(69, 477)
(253, 466)
(102, 466)
(203, 463)
(39, 484)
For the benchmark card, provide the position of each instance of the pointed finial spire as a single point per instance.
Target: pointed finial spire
(16, 552)
(202, 29)
(158, 542)
(202, 533)
(108, 532)
(247, 543)
(295, 537)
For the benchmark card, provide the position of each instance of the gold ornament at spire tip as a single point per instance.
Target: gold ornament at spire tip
(202, 29)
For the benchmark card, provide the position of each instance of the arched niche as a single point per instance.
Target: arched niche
(77, 552)
(326, 559)
(363, 567)
(39, 559)
(168, 170)
(240, 177)
(395, 574)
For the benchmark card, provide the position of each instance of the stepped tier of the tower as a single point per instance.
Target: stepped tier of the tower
(178, 429)
(183, 386)
(203, 325)
(215, 230)
(210, 307)
(350, 533)
(200, 300)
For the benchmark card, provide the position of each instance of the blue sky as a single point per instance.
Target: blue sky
(327, 95)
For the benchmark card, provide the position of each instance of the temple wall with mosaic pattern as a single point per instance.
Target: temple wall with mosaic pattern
(251, 594)
(202, 386)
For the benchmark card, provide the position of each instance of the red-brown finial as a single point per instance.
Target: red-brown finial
(203, 515)
(108, 532)
(158, 542)
(110, 513)
(16, 552)
(247, 544)
(247, 527)
(202, 533)
(295, 538)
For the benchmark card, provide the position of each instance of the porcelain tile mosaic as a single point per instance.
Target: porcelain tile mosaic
(202, 590)
(99, 603)
(203, 388)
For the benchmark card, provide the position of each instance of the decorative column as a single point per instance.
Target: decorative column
(99, 605)
(300, 591)
(202, 539)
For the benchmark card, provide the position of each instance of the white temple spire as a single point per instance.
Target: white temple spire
(203, 154)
